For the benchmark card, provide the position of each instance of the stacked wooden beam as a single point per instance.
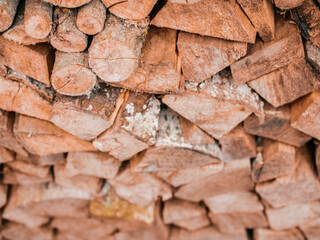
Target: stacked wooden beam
(159, 120)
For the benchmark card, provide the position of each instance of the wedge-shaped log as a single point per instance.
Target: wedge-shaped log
(47, 160)
(6, 155)
(21, 232)
(43, 138)
(311, 230)
(216, 105)
(68, 3)
(8, 10)
(226, 20)
(20, 178)
(288, 4)
(269, 234)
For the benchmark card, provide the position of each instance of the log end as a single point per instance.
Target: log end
(69, 43)
(6, 19)
(38, 27)
(90, 26)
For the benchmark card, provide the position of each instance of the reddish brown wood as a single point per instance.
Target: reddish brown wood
(8, 10)
(288, 4)
(268, 234)
(68, 3)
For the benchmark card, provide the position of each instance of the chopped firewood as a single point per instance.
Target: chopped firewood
(226, 19)
(21, 232)
(159, 66)
(21, 178)
(278, 159)
(114, 53)
(134, 129)
(316, 40)
(33, 61)
(234, 177)
(269, 234)
(38, 18)
(140, 188)
(201, 56)
(293, 215)
(91, 17)
(313, 55)
(311, 229)
(261, 14)
(301, 186)
(3, 70)
(3, 195)
(171, 151)
(8, 10)
(95, 164)
(237, 144)
(6, 155)
(264, 58)
(216, 105)
(288, 4)
(68, 3)
(43, 138)
(136, 9)
(276, 126)
(47, 160)
(317, 157)
(287, 83)
(28, 168)
(67, 37)
(188, 215)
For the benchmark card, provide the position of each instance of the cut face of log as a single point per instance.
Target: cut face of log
(43, 138)
(276, 126)
(159, 66)
(171, 151)
(33, 61)
(234, 177)
(188, 215)
(8, 10)
(226, 20)
(288, 4)
(269, 234)
(114, 53)
(6, 155)
(21, 232)
(68, 3)
(216, 105)
(311, 230)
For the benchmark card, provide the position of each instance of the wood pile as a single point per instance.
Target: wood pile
(159, 120)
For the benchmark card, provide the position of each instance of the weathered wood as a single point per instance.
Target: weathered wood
(38, 18)
(28, 168)
(6, 155)
(311, 229)
(3, 70)
(159, 66)
(19, 178)
(68, 3)
(21, 232)
(269, 234)
(33, 61)
(216, 105)
(288, 4)
(317, 157)
(8, 10)
(201, 56)
(66, 36)
(47, 160)
(91, 17)
(316, 40)
(313, 55)
(226, 20)
(114, 53)
(3, 195)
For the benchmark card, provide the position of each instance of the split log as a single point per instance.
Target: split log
(159, 66)
(227, 20)
(38, 18)
(234, 177)
(3, 70)
(136, 9)
(67, 37)
(278, 159)
(6, 155)
(68, 3)
(33, 61)
(47, 160)
(134, 128)
(3, 195)
(28, 168)
(201, 56)
(8, 10)
(188, 215)
(268, 234)
(264, 58)
(90, 115)
(95, 164)
(311, 230)
(43, 138)
(91, 17)
(317, 157)
(21, 232)
(293, 215)
(114, 53)
(301, 186)
(216, 105)
(313, 55)
(276, 126)
(261, 14)
(288, 4)
(20, 178)
(171, 151)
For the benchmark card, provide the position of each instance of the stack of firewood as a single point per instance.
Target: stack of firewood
(160, 120)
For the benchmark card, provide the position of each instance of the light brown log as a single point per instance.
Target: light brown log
(20, 178)
(301, 186)
(68, 3)
(293, 215)
(47, 160)
(28, 168)
(134, 9)
(38, 19)
(201, 56)
(216, 105)
(288, 4)
(6, 155)
(21, 232)
(91, 17)
(227, 20)
(276, 126)
(67, 37)
(114, 53)
(8, 10)
(311, 230)
(134, 129)
(159, 69)
(268, 234)
(278, 159)
(234, 177)
(43, 138)
(3, 195)
(313, 55)
(188, 215)
(264, 58)
(33, 61)
(171, 151)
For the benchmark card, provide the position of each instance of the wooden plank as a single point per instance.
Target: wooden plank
(269, 234)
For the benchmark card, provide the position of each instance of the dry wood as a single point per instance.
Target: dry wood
(226, 19)
(269, 234)
(6, 155)
(3, 195)
(18, 231)
(8, 10)
(3, 70)
(47, 160)
(313, 55)
(28, 168)
(316, 40)
(20, 178)
(317, 157)
(68, 3)
(288, 4)
(311, 229)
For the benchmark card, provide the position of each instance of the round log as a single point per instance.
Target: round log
(8, 9)
(68, 3)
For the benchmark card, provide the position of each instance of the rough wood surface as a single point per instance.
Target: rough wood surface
(288, 4)
(313, 55)
(311, 229)
(317, 157)
(68, 3)
(21, 232)
(6, 155)
(19, 178)
(8, 10)
(269, 234)
(3, 195)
